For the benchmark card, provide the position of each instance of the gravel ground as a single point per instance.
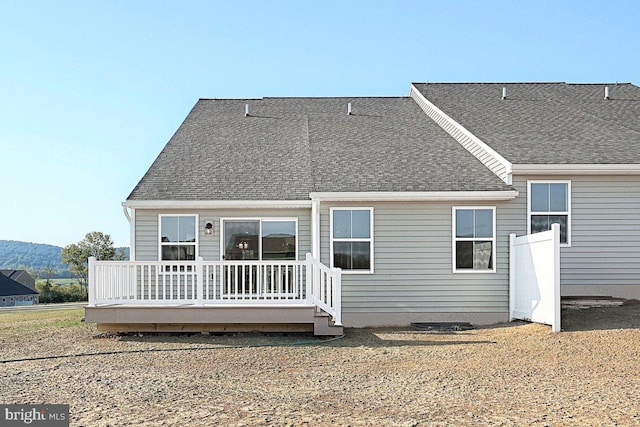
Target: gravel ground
(513, 374)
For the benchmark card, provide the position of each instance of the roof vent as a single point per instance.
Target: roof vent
(246, 110)
(349, 108)
(504, 93)
(606, 92)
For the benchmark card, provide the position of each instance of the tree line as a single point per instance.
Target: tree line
(34, 258)
(95, 244)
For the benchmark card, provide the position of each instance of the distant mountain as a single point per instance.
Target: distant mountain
(35, 256)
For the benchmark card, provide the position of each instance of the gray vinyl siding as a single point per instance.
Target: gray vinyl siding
(605, 234)
(413, 263)
(209, 245)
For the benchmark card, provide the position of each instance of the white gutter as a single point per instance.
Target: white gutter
(132, 248)
(576, 169)
(217, 204)
(126, 212)
(415, 196)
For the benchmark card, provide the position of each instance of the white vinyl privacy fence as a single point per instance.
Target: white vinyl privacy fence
(534, 277)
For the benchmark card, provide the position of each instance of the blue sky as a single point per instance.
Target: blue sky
(91, 91)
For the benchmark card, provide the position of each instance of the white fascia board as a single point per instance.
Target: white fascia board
(507, 164)
(414, 196)
(217, 204)
(576, 169)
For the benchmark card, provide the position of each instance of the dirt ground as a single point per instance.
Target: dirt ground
(516, 374)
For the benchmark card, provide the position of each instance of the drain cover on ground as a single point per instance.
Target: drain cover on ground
(442, 326)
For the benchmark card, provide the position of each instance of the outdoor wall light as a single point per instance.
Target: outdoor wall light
(208, 228)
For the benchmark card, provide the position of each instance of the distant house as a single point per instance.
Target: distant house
(377, 210)
(22, 277)
(14, 293)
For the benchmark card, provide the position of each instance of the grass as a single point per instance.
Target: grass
(30, 321)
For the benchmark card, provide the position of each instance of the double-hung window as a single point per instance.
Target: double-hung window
(474, 239)
(352, 239)
(178, 237)
(549, 202)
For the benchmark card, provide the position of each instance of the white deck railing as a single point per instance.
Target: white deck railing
(204, 283)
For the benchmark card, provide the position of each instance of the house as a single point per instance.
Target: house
(371, 211)
(22, 277)
(13, 292)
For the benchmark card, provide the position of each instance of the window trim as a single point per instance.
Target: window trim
(259, 219)
(370, 240)
(197, 235)
(568, 212)
(455, 239)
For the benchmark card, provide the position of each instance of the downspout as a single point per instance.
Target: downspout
(509, 177)
(131, 217)
(315, 228)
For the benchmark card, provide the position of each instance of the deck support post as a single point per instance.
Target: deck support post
(556, 326)
(309, 279)
(337, 296)
(91, 282)
(200, 281)
(512, 276)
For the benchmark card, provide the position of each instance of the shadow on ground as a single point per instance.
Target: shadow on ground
(353, 337)
(626, 316)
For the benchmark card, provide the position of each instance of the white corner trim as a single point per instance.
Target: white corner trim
(573, 169)
(415, 196)
(315, 228)
(213, 204)
(493, 153)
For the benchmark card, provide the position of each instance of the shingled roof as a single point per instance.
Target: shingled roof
(9, 287)
(289, 147)
(20, 276)
(547, 123)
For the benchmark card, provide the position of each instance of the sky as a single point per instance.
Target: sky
(91, 91)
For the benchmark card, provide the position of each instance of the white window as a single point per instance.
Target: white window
(474, 239)
(549, 202)
(256, 239)
(178, 237)
(352, 239)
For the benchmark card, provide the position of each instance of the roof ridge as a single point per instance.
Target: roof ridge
(598, 84)
(307, 97)
(485, 83)
(526, 83)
